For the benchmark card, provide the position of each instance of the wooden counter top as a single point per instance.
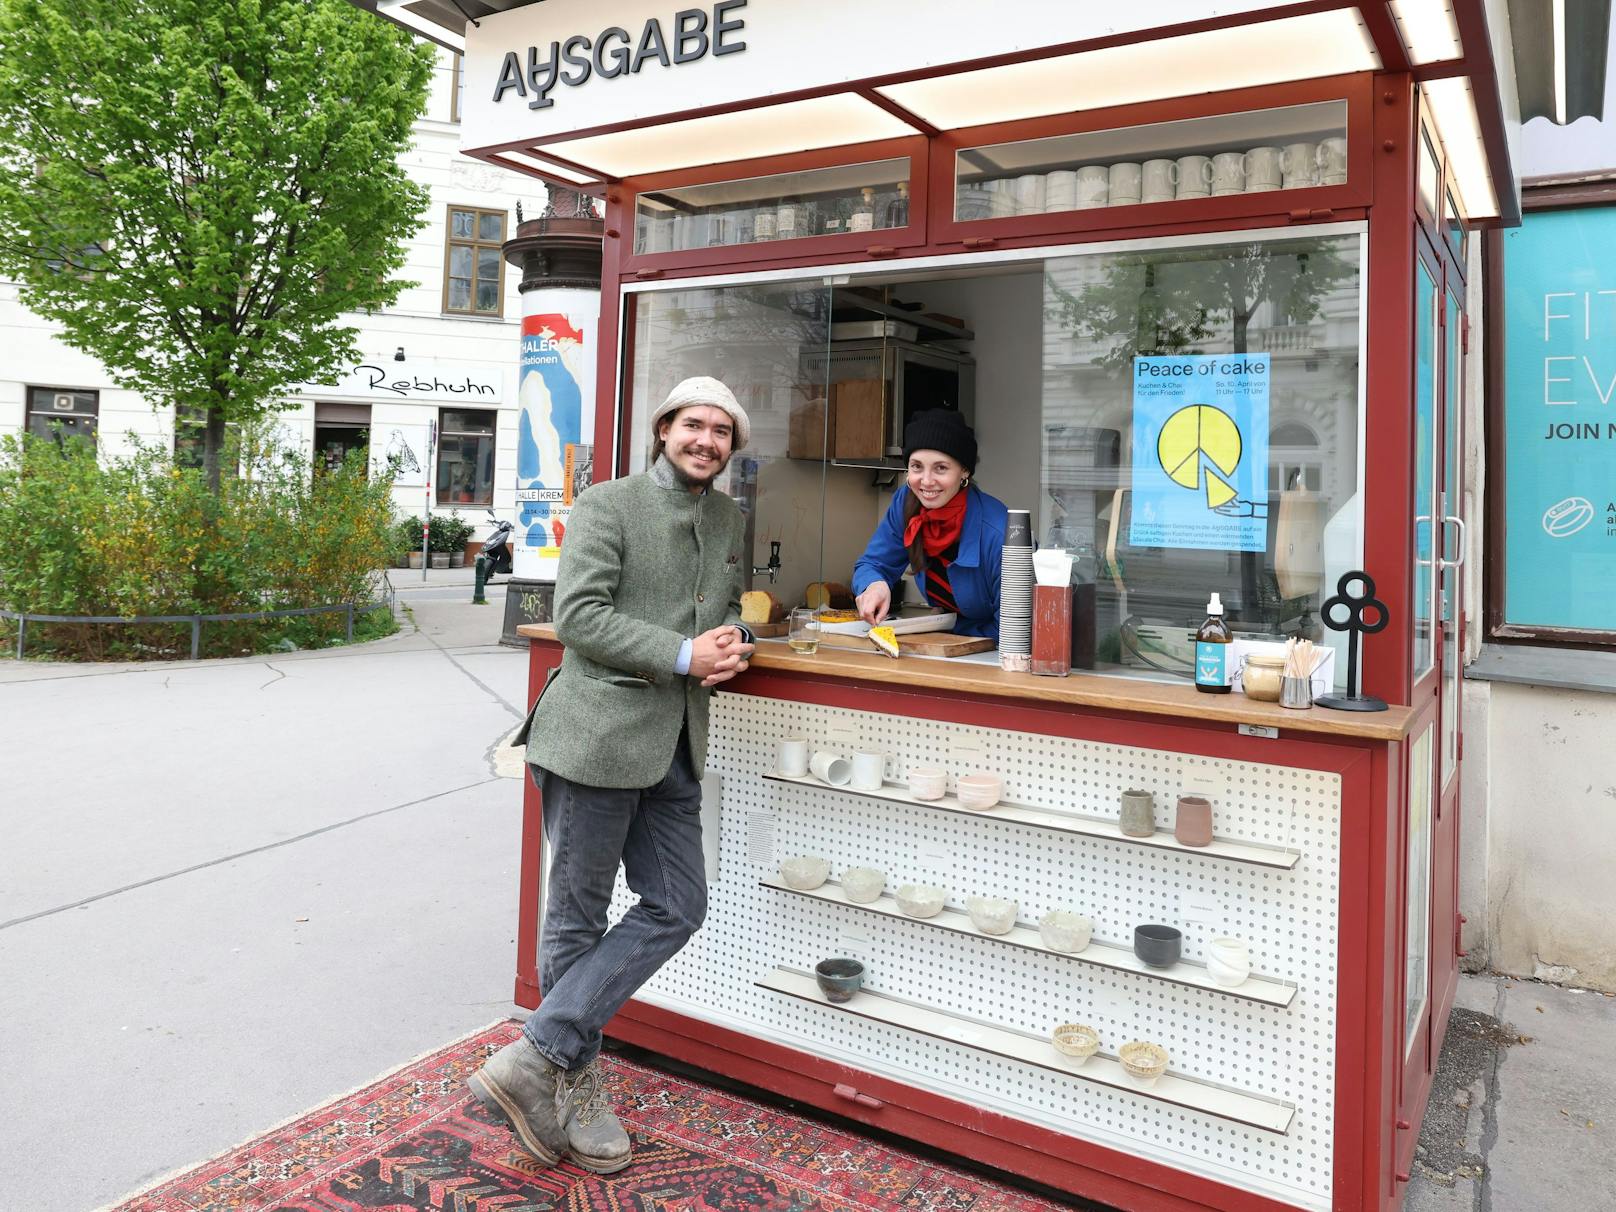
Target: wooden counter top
(1078, 690)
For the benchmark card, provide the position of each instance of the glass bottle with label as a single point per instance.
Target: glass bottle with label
(788, 219)
(765, 221)
(1212, 672)
(896, 213)
(864, 211)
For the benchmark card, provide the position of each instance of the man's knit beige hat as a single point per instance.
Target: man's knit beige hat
(704, 390)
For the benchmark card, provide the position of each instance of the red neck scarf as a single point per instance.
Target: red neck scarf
(939, 528)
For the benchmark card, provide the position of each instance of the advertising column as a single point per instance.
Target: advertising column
(559, 255)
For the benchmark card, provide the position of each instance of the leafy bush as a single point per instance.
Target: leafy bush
(139, 536)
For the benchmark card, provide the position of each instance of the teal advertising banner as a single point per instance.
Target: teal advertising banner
(1560, 420)
(1200, 452)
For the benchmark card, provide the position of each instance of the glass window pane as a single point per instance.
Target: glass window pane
(468, 421)
(491, 227)
(1430, 173)
(1160, 483)
(459, 294)
(768, 343)
(1426, 355)
(487, 295)
(459, 261)
(488, 264)
(465, 469)
(1451, 542)
(1418, 908)
(460, 223)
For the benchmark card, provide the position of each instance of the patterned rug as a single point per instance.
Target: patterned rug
(416, 1139)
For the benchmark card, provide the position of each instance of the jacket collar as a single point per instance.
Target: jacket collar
(663, 474)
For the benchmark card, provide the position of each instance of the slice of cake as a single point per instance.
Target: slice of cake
(885, 639)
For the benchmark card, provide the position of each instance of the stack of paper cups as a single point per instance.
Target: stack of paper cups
(1015, 594)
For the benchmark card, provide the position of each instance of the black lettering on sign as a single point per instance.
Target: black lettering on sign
(689, 35)
(619, 56)
(541, 77)
(571, 57)
(510, 76)
(724, 26)
(651, 42)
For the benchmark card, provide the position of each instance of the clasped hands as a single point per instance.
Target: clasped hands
(718, 655)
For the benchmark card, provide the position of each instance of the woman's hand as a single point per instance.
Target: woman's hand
(875, 602)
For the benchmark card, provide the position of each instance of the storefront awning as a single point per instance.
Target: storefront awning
(587, 92)
(1561, 57)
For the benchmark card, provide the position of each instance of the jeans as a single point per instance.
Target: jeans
(587, 972)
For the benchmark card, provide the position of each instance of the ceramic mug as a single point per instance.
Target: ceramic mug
(1029, 194)
(869, 769)
(1299, 165)
(1093, 186)
(1228, 962)
(1263, 169)
(1126, 183)
(1158, 179)
(1060, 190)
(1194, 177)
(1228, 174)
(828, 768)
(1002, 200)
(1332, 162)
(794, 756)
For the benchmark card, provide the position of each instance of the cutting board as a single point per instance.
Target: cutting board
(769, 631)
(919, 643)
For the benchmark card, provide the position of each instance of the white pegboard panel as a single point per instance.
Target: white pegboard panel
(1288, 919)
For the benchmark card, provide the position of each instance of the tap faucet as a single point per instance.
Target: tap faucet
(773, 566)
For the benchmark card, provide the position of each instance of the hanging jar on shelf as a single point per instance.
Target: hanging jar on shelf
(864, 211)
(896, 213)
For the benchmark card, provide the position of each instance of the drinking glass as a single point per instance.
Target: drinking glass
(804, 633)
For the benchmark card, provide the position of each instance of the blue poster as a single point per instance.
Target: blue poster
(1560, 420)
(1200, 452)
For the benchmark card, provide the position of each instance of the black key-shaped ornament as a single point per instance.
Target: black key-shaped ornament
(1354, 607)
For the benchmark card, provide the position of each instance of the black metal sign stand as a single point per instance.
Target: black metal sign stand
(1356, 606)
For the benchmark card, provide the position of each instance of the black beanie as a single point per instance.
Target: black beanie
(941, 429)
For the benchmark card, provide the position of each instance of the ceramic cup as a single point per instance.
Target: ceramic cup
(1126, 181)
(828, 768)
(992, 914)
(1029, 194)
(869, 769)
(1228, 174)
(1193, 825)
(1158, 180)
(1299, 165)
(805, 872)
(1332, 162)
(1138, 817)
(1093, 186)
(863, 885)
(1228, 962)
(927, 782)
(1263, 169)
(1158, 946)
(1194, 177)
(921, 900)
(793, 759)
(1060, 190)
(1002, 197)
(839, 979)
(1065, 931)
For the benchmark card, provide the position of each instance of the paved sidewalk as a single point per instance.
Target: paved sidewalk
(1523, 1114)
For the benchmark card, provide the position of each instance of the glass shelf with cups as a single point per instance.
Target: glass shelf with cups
(868, 199)
(1253, 152)
(1263, 990)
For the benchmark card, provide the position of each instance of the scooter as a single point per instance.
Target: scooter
(497, 546)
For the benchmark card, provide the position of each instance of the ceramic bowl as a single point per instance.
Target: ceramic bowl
(805, 873)
(839, 979)
(921, 900)
(979, 791)
(861, 885)
(927, 782)
(1228, 962)
(1143, 1061)
(1158, 946)
(992, 915)
(1076, 1040)
(1063, 930)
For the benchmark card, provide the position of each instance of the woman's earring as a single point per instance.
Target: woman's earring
(966, 482)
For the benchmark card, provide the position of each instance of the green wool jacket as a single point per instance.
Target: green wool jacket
(645, 565)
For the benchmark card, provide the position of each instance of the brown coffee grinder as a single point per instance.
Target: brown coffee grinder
(1212, 672)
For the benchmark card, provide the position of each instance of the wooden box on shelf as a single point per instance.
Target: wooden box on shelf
(859, 419)
(805, 436)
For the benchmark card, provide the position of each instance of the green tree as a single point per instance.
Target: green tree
(199, 190)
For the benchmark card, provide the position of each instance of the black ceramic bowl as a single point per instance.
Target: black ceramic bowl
(1158, 946)
(839, 979)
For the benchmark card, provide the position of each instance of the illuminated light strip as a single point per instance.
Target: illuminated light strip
(1559, 36)
(1454, 110)
(1429, 30)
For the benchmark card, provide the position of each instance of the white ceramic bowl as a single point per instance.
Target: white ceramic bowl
(805, 873)
(978, 791)
(861, 885)
(927, 782)
(1063, 930)
(1077, 1040)
(921, 900)
(992, 915)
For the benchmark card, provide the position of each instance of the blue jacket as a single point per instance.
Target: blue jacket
(973, 576)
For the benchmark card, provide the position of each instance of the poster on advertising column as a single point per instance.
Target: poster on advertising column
(553, 462)
(1560, 421)
(1200, 452)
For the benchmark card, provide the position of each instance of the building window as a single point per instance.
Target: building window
(455, 81)
(340, 430)
(474, 271)
(63, 412)
(466, 456)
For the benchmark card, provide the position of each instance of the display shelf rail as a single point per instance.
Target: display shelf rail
(1103, 1069)
(1263, 990)
(1253, 853)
